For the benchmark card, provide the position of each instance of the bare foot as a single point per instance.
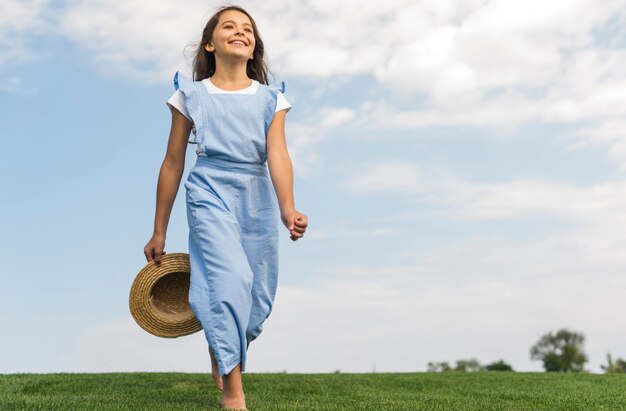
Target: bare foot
(233, 402)
(215, 372)
(233, 396)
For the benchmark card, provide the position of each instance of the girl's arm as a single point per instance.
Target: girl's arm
(169, 180)
(281, 173)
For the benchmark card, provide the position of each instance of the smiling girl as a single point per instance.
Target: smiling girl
(241, 182)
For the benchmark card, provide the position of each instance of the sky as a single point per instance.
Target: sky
(462, 165)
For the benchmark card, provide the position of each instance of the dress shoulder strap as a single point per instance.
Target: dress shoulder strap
(193, 94)
(272, 92)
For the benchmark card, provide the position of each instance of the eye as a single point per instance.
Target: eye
(249, 30)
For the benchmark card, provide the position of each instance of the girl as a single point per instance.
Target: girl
(242, 177)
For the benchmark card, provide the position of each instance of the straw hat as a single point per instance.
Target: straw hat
(159, 298)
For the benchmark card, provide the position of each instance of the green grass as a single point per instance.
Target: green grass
(338, 391)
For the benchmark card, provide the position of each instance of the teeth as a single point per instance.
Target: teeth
(238, 42)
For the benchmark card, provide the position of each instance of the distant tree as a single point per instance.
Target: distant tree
(498, 366)
(613, 367)
(438, 366)
(561, 352)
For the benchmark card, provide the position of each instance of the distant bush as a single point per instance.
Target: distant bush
(438, 366)
(498, 366)
(470, 365)
(614, 367)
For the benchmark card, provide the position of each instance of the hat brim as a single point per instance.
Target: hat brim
(159, 298)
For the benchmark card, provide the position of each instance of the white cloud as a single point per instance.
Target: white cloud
(589, 87)
(523, 197)
(612, 133)
(444, 47)
(20, 21)
(490, 64)
(141, 39)
(303, 135)
(600, 202)
(504, 112)
(334, 117)
(501, 44)
(594, 213)
(397, 177)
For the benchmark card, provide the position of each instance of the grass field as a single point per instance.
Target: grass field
(338, 391)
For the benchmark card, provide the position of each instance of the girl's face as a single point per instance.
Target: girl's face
(232, 36)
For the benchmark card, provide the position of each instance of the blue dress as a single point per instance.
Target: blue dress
(232, 212)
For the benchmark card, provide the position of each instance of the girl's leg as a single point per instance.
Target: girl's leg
(214, 371)
(233, 396)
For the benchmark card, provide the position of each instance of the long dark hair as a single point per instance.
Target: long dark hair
(204, 61)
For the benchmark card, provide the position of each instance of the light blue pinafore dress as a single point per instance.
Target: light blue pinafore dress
(232, 212)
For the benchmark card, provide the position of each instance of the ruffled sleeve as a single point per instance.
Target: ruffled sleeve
(191, 90)
(274, 88)
(279, 85)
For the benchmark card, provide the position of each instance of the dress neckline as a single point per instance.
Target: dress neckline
(212, 85)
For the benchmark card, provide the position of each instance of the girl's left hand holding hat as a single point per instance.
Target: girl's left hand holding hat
(154, 250)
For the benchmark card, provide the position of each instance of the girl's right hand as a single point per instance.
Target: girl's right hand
(295, 221)
(154, 250)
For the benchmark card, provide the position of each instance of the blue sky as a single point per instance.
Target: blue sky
(462, 165)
